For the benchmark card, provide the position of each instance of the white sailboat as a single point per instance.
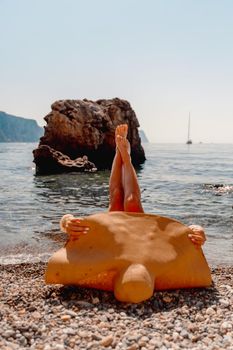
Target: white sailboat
(189, 141)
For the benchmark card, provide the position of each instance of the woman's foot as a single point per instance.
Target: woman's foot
(123, 146)
(121, 130)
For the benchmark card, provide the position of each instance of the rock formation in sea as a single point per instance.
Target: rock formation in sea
(49, 160)
(80, 128)
(18, 129)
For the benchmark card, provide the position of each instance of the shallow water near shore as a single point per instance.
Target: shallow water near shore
(192, 184)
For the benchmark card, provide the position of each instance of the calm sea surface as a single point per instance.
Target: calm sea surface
(176, 180)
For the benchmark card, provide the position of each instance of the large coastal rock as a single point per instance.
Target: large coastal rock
(83, 127)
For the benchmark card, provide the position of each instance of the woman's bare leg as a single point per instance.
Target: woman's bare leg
(132, 193)
(116, 192)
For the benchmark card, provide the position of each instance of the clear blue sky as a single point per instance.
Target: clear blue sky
(166, 57)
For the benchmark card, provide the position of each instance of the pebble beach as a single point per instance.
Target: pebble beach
(47, 317)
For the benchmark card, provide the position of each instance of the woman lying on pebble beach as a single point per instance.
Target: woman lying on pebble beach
(124, 191)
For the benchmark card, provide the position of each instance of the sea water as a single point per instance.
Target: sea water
(190, 183)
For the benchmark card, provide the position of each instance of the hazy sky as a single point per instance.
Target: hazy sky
(166, 57)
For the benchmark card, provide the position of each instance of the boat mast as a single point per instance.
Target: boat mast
(189, 128)
(189, 141)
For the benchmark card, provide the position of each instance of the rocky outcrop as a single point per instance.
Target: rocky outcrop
(84, 127)
(18, 129)
(49, 160)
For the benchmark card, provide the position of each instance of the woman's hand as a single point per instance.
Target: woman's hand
(198, 237)
(73, 226)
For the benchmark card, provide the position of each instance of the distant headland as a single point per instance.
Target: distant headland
(143, 136)
(18, 129)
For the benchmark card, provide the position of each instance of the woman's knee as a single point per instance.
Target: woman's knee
(132, 203)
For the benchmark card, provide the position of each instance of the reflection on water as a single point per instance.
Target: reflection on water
(74, 191)
(192, 185)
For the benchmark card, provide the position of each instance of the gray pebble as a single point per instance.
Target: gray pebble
(9, 333)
